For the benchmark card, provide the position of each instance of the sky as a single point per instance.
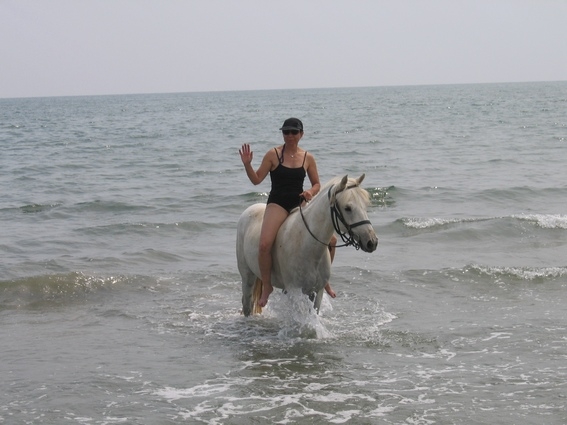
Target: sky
(96, 47)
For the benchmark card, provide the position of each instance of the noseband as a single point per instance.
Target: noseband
(337, 218)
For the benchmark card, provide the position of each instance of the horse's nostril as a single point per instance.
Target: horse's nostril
(372, 244)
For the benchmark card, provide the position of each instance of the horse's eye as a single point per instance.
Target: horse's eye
(348, 209)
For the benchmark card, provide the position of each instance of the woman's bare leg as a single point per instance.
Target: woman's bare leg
(274, 216)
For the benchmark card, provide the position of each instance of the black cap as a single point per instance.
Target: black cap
(292, 124)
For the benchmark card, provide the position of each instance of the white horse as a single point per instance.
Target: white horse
(300, 253)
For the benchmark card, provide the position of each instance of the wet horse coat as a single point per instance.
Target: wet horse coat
(300, 253)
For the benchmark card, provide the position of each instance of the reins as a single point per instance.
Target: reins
(337, 217)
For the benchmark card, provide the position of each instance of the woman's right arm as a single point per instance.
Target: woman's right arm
(258, 176)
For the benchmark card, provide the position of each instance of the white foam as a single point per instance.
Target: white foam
(344, 416)
(204, 390)
(524, 273)
(545, 221)
(426, 223)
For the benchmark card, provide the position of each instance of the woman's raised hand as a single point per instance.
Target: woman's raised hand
(246, 154)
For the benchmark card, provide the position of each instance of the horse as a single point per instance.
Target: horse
(300, 253)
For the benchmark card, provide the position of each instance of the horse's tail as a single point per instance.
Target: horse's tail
(256, 294)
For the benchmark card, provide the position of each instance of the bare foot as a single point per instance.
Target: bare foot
(266, 291)
(330, 291)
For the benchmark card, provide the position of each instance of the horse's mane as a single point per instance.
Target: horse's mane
(332, 182)
(355, 193)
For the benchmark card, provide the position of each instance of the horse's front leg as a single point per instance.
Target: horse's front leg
(318, 299)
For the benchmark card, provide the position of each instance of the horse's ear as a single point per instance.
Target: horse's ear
(359, 180)
(339, 188)
(342, 184)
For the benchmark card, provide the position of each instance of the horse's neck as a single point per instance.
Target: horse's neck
(317, 217)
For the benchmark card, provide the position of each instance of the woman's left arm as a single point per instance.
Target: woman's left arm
(313, 175)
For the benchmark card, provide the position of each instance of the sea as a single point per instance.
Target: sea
(120, 296)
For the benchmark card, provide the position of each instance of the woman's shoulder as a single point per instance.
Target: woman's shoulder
(273, 150)
(309, 156)
(272, 154)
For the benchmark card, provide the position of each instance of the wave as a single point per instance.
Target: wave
(520, 273)
(31, 208)
(59, 289)
(109, 206)
(81, 207)
(546, 221)
(521, 193)
(145, 228)
(487, 274)
(433, 222)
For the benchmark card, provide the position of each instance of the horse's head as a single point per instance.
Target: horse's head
(349, 202)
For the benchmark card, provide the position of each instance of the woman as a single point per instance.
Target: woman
(288, 165)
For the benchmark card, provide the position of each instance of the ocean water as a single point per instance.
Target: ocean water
(120, 296)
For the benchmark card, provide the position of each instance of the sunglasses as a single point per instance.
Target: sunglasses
(294, 132)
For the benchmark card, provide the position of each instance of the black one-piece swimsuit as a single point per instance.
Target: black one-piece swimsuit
(287, 184)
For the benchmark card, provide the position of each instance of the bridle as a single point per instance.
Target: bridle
(337, 217)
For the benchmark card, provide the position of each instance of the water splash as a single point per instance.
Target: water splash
(297, 316)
